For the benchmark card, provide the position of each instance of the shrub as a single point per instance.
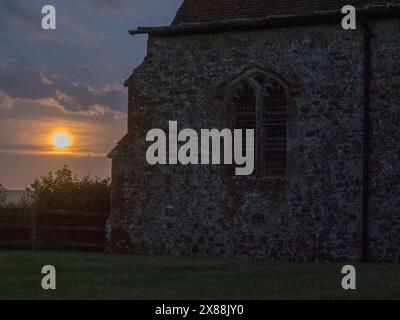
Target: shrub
(3, 196)
(63, 190)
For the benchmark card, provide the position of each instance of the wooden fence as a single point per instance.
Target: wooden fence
(53, 230)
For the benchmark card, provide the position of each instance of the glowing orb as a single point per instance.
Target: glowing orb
(61, 140)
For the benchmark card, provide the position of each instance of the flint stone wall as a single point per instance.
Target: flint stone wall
(314, 212)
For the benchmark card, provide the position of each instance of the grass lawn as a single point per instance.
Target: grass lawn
(107, 276)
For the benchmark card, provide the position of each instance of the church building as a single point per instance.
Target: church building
(324, 103)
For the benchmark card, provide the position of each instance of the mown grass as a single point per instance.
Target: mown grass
(108, 276)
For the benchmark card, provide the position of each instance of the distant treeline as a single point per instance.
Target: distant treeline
(64, 190)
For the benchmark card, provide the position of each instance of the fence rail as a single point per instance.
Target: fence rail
(52, 230)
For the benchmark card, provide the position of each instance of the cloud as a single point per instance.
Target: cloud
(33, 136)
(85, 69)
(90, 35)
(13, 13)
(19, 80)
(6, 102)
(21, 20)
(117, 7)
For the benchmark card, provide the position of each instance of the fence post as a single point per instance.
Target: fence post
(33, 230)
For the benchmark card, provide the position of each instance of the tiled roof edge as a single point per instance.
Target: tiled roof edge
(277, 21)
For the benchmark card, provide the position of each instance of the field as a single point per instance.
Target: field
(107, 276)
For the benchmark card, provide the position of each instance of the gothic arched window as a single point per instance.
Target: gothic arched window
(274, 109)
(244, 101)
(260, 102)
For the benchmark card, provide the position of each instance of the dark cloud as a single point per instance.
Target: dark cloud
(21, 19)
(119, 7)
(11, 10)
(11, 7)
(17, 18)
(117, 4)
(21, 80)
(85, 70)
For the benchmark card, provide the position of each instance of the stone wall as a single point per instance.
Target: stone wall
(313, 213)
(385, 144)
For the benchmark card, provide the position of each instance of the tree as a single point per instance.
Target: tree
(63, 190)
(3, 196)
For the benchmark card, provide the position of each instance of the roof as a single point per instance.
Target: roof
(226, 15)
(193, 11)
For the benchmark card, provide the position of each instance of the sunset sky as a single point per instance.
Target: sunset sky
(67, 80)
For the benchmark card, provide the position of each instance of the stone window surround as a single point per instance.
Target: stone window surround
(226, 90)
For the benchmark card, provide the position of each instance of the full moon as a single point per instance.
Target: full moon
(61, 140)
